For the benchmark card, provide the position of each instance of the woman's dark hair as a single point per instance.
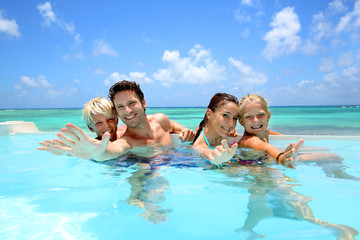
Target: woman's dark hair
(216, 101)
(125, 85)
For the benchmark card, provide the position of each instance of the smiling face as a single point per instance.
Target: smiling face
(255, 118)
(102, 124)
(129, 108)
(224, 119)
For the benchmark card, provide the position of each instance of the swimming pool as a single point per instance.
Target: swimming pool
(176, 196)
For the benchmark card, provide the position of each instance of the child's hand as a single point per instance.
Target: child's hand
(48, 145)
(233, 133)
(289, 156)
(222, 153)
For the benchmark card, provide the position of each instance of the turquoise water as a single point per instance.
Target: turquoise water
(175, 194)
(287, 120)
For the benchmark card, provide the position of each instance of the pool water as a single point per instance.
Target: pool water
(176, 195)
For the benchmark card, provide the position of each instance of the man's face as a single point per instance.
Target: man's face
(104, 124)
(129, 108)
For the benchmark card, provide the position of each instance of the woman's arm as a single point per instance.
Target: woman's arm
(222, 153)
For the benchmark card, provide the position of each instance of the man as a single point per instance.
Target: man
(141, 129)
(100, 117)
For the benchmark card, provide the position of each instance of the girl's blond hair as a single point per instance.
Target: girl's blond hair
(97, 105)
(254, 98)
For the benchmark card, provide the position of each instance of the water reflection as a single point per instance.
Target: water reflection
(272, 195)
(147, 192)
(332, 164)
(147, 185)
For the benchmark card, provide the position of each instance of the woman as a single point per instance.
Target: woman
(212, 136)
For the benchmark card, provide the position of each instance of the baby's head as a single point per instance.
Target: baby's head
(255, 99)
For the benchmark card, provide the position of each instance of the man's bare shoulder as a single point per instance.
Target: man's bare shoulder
(160, 119)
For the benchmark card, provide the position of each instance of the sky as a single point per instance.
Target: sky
(61, 54)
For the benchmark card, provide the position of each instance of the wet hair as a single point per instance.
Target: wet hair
(254, 98)
(97, 105)
(216, 101)
(125, 85)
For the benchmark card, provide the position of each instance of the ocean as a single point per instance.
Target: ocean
(176, 194)
(299, 120)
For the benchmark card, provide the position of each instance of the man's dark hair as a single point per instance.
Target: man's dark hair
(125, 85)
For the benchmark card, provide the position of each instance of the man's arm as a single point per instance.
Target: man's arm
(82, 146)
(185, 134)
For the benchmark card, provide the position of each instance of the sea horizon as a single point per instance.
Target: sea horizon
(285, 106)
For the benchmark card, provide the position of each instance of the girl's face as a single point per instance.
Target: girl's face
(254, 118)
(224, 119)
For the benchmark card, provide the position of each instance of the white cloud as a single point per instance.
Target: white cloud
(249, 77)
(140, 64)
(336, 7)
(309, 47)
(139, 77)
(242, 16)
(103, 48)
(332, 88)
(352, 74)
(326, 65)
(77, 39)
(305, 83)
(345, 59)
(41, 82)
(69, 57)
(245, 33)
(247, 2)
(47, 13)
(351, 19)
(283, 37)
(197, 68)
(9, 27)
(99, 71)
(50, 18)
(321, 27)
(331, 79)
(41, 87)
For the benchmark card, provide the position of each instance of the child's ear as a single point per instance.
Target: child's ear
(269, 116)
(91, 129)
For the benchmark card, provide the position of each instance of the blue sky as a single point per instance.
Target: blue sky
(63, 53)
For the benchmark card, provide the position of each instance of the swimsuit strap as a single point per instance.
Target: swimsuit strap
(207, 142)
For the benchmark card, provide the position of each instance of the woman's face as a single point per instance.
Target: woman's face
(224, 119)
(254, 119)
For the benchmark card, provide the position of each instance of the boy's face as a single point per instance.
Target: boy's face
(129, 108)
(254, 119)
(102, 124)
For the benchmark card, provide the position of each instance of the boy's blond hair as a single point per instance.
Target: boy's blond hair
(97, 105)
(254, 98)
